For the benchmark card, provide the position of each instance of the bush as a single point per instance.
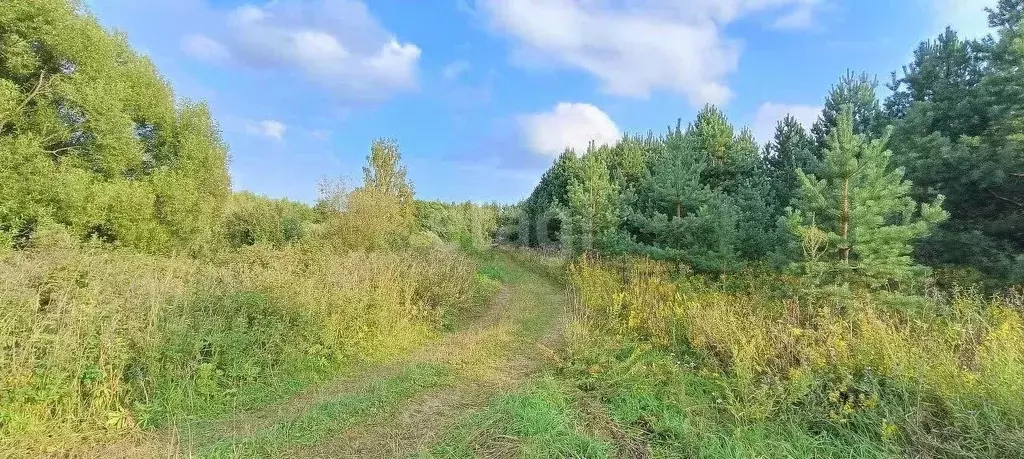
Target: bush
(253, 219)
(364, 219)
(467, 225)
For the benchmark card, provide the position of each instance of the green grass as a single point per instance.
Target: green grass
(108, 343)
(493, 272)
(538, 421)
(333, 416)
(677, 412)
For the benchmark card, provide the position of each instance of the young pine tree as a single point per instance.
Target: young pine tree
(791, 149)
(717, 239)
(593, 206)
(855, 214)
(674, 184)
(857, 92)
(731, 156)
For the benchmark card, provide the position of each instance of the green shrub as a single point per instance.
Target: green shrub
(467, 225)
(253, 219)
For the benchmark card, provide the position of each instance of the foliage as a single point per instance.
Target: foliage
(703, 196)
(855, 215)
(380, 215)
(252, 219)
(958, 108)
(593, 209)
(858, 93)
(91, 138)
(466, 224)
(791, 149)
(550, 193)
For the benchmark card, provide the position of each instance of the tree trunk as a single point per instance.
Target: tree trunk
(844, 220)
(679, 209)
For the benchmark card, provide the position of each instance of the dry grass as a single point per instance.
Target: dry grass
(952, 364)
(98, 344)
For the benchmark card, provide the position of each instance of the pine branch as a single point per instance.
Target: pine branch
(1004, 199)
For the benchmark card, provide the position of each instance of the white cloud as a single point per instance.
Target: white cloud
(268, 128)
(799, 18)
(335, 43)
(567, 125)
(967, 17)
(637, 47)
(770, 113)
(455, 69)
(204, 48)
(321, 134)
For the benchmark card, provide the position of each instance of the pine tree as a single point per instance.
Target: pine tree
(1007, 15)
(857, 91)
(628, 161)
(958, 134)
(945, 73)
(674, 183)
(856, 214)
(730, 157)
(713, 134)
(790, 149)
(757, 233)
(593, 206)
(716, 236)
(547, 196)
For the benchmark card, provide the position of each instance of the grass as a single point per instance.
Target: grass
(747, 368)
(537, 421)
(100, 344)
(655, 365)
(664, 407)
(330, 417)
(494, 350)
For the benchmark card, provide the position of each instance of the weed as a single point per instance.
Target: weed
(867, 375)
(98, 343)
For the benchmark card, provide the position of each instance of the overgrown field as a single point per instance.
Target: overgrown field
(674, 365)
(746, 368)
(849, 290)
(99, 343)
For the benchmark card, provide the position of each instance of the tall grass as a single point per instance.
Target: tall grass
(98, 343)
(935, 376)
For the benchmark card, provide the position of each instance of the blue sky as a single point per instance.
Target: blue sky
(480, 94)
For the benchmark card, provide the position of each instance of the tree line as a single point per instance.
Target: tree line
(94, 144)
(872, 193)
